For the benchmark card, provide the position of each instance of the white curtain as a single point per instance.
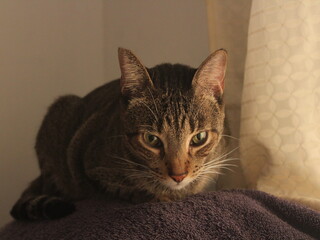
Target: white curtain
(280, 121)
(274, 78)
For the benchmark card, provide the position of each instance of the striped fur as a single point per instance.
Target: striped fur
(95, 145)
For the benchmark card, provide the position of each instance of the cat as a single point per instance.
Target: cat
(155, 134)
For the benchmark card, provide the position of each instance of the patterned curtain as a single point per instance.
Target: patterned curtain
(280, 120)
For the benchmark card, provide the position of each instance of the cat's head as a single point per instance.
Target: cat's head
(173, 117)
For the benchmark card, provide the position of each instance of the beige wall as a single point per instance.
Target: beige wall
(50, 48)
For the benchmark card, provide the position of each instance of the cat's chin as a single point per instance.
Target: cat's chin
(177, 186)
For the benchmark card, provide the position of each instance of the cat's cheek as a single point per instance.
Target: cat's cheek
(141, 151)
(204, 151)
(191, 152)
(134, 144)
(132, 140)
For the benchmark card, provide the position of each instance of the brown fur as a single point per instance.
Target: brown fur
(95, 144)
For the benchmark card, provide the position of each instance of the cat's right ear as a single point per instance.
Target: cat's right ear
(134, 76)
(209, 77)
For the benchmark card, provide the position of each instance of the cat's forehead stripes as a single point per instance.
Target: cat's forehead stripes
(170, 104)
(175, 111)
(168, 77)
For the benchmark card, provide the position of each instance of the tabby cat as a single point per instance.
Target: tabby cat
(155, 134)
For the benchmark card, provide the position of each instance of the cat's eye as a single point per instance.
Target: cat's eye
(199, 139)
(152, 140)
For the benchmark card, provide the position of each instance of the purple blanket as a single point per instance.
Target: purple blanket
(237, 214)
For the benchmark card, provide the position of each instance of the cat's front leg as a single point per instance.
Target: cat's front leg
(134, 196)
(35, 204)
(163, 198)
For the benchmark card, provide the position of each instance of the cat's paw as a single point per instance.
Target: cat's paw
(140, 197)
(57, 208)
(41, 207)
(162, 199)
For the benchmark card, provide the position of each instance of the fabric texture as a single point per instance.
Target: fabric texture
(216, 215)
(280, 130)
(230, 34)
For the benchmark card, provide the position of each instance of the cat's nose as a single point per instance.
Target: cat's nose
(179, 177)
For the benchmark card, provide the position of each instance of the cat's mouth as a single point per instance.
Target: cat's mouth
(177, 185)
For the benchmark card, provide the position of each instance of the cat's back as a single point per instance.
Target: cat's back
(102, 97)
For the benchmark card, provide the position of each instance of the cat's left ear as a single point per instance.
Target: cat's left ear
(134, 76)
(209, 78)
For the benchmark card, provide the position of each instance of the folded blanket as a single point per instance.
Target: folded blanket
(235, 214)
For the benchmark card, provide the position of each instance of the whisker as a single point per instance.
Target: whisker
(224, 154)
(206, 172)
(143, 172)
(229, 136)
(140, 175)
(206, 175)
(214, 161)
(228, 169)
(231, 151)
(220, 166)
(133, 163)
(215, 167)
(207, 178)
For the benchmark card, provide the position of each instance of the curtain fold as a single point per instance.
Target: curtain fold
(228, 27)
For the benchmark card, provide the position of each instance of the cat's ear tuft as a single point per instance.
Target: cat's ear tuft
(134, 76)
(209, 78)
